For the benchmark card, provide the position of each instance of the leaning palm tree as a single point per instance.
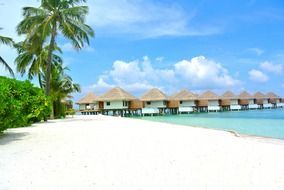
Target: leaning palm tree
(44, 23)
(6, 41)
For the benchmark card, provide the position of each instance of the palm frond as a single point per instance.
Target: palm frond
(7, 67)
(6, 41)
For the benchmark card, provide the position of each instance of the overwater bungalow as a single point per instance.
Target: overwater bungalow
(229, 101)
(89, 104)
(154, 102)
(247, 101)
(117, 102)
(262, 101)
(135, 107)
(208, 101)
(186, 101)
(282, 103)
(172, 105)
(274, 99)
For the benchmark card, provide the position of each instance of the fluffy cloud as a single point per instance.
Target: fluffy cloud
(100, 86)
(272, 68)
(200, 72)
(135, 76)
(257, 76)
(145, 18)
(138, 76)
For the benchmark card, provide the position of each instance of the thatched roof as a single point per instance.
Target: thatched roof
(209, 95)
(117, 94)
(229, 95)
(184, 95)
(259, 95)
(154, 95)
(272, 95)
(88, 99)
(245, 95)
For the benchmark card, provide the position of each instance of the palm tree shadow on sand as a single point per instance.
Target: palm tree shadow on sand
(9, 137)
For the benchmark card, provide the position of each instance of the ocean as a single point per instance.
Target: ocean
(264, 123)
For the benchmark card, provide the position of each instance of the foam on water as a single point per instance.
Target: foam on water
(266, 123)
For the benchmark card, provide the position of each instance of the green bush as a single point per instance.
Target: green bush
(21, 104)
(70, 111)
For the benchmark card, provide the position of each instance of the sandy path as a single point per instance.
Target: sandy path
(99, 152)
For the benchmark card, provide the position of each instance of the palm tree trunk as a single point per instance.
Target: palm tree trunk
(49, 65)
(49, 60)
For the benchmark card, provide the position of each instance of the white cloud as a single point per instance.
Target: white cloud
(258, 76)
(101, 86)
(272, 68)
(200, 72)
(257, 51)
(135, 76)
(145, 18)
(138, 76)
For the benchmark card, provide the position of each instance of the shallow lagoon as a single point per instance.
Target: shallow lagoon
(266, 123)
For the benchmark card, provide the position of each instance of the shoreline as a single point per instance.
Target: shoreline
(232, 132)
(105, 152)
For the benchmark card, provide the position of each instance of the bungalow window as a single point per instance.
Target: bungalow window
(180, 102)
(108, 103)
(148, 103)
(164, 103)
(125, 103)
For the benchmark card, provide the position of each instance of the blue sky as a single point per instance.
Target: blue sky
(199, 45)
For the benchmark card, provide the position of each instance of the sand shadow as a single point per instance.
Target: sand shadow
(8, 137)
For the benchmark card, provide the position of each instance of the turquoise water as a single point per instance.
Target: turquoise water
(266, 123)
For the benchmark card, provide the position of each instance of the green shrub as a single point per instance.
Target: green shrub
(70, 111)
(21, 104)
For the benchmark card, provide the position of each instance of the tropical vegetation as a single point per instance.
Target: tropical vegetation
(39, 56)
(21, 103)
(61, 87)
(43, 24)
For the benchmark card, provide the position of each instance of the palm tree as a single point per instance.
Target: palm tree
(33, 62)
(45, 22)
(6, 41)
(62, 86)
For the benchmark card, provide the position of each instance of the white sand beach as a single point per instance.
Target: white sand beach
(110, 153)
